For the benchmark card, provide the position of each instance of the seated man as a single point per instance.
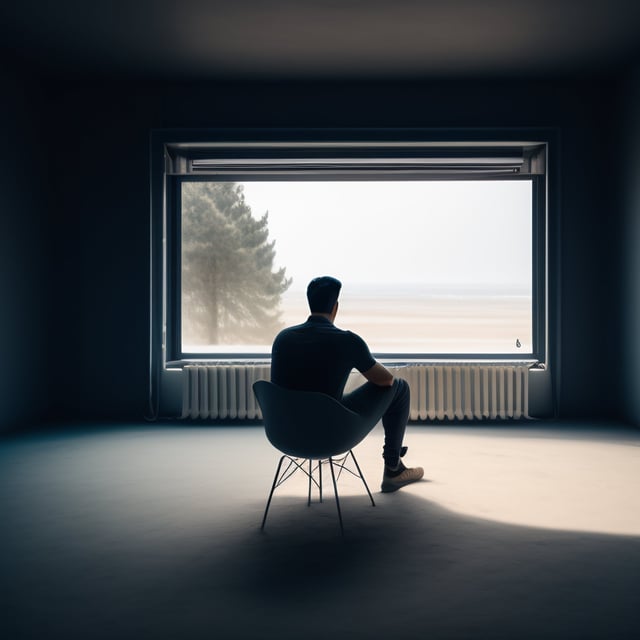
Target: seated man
(317, 356)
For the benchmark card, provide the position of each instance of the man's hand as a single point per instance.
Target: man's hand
(379, 375)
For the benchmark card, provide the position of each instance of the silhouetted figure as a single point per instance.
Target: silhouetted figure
(317, 356)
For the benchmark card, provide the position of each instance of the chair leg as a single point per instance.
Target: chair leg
(335, 489)
(273, 487)
(318, 484)
(278, 479)
(366, 486)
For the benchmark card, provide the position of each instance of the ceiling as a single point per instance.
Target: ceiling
(323, 38)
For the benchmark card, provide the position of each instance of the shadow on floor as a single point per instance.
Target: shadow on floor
(139, 536)
(410, 569)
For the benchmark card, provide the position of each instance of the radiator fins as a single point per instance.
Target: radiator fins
(438, 392)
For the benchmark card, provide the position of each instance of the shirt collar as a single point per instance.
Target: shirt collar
(319, 319)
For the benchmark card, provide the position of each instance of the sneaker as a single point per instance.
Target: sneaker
(392, 481)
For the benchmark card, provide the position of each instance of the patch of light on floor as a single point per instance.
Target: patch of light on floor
(564, 483)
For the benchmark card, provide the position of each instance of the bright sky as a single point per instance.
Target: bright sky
(449, 232)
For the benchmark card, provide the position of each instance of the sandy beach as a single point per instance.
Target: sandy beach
(417, 322)
(431, 324)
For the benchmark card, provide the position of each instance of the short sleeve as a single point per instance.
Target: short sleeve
(362, 358)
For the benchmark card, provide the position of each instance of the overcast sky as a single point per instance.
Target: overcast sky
(453, 232)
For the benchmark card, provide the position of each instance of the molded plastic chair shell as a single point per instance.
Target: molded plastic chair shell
(312, 426)
(307, 424)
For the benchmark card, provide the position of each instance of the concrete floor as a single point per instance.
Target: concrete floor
(518, 531)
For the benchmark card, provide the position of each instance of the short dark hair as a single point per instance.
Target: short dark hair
(322, 294)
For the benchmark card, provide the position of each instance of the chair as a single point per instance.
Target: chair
(309, 427)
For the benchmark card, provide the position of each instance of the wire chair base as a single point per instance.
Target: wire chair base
(314, 474)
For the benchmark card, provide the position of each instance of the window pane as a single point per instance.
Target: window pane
(427, 266)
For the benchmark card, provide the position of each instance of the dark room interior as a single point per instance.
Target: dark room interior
(119, 523)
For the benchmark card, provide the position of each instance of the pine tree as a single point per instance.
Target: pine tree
(230, 292)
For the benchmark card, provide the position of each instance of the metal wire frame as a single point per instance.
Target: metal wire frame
(314, 475)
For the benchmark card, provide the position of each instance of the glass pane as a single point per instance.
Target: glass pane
(427, 267)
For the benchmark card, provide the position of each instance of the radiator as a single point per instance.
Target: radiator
(221, 391)
(438, 392)
(467, 392)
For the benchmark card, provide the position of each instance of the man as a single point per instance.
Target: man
(317, 356)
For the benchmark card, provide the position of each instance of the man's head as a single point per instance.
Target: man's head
(322, 294)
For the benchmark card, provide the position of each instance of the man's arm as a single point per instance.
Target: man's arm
(379, 375)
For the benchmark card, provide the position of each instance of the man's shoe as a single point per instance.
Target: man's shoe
(394, 480)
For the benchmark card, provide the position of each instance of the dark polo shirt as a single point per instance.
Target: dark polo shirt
(317, 356)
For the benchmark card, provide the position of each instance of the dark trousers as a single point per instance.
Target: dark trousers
(372, 402)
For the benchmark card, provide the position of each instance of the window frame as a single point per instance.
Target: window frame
(242, 154)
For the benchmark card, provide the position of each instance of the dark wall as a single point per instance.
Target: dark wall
(101, 252)
(630, 250)
(590, 270)
(100, 224)
(24, 313)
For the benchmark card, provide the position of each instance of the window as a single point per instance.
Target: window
(440, 245)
